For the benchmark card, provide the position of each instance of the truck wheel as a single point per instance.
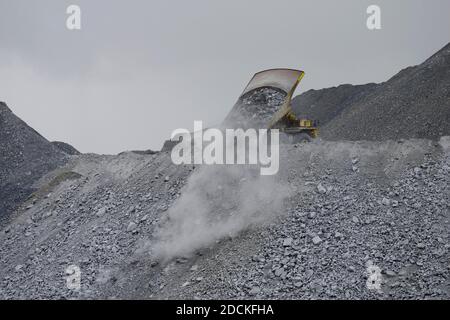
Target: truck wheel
(301, 138)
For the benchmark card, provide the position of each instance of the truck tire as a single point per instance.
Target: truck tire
(301, 138)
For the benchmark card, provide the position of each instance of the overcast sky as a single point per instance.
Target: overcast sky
(139, 69)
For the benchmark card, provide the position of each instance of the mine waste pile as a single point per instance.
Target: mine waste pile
(415, 103)
(371, 191)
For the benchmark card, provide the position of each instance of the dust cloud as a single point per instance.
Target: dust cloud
(219, 201)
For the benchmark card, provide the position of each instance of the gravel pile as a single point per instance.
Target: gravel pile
(66, 148)
(357, 206)
(94, 213)
(345, 224)
(338, 215)
(326, 104)
(415, 103)
(353, 204)
(24, 157)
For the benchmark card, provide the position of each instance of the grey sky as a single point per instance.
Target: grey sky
(139, 69)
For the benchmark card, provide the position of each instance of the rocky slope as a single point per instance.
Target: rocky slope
(347, 205)
(137, 226)
(415, 103)
(326, 104)
(24, 157)
(66, 148)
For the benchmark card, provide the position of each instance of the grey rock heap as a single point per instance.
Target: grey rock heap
(367, 200)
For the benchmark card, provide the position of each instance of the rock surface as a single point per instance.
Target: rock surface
(295, 254)
(25, 156)
(415, 103)
(137, 226)
(66, 148)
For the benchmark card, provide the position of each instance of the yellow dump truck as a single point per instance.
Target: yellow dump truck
(266, 103)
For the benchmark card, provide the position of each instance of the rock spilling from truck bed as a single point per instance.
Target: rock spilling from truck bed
(415, 103)
(255, 109)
